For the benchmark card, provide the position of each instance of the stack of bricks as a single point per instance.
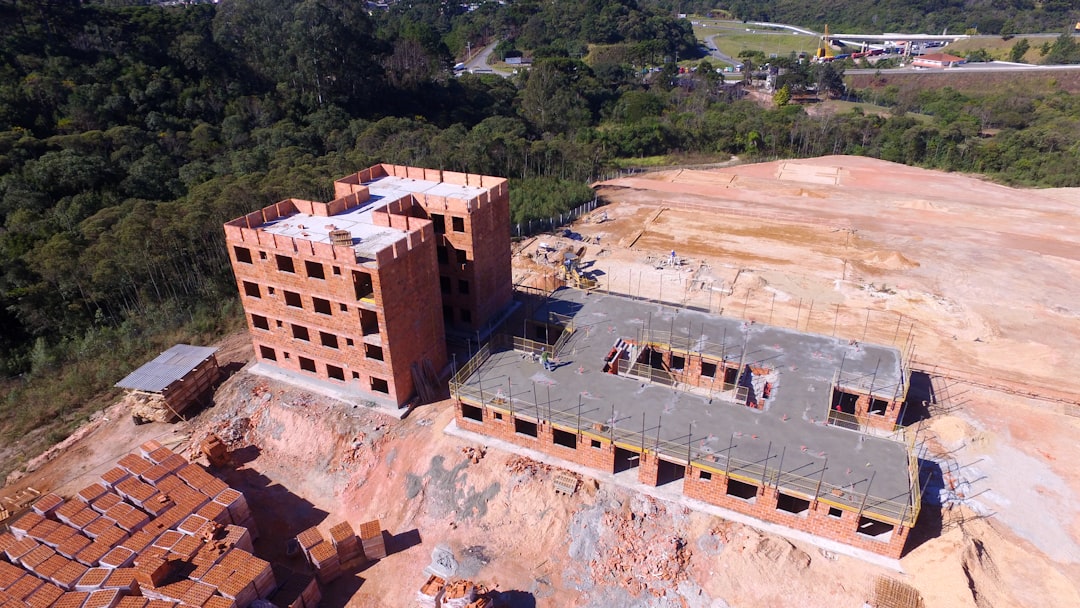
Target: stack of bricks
(371, 537)
(236, 506)
(154, 532)
(344, 539)
(430, 593)
(324, 558)
(458, 594)
(307, 540)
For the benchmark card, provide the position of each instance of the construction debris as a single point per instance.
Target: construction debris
(522, 464)
(216, 452)
(431, 591)
(474, 454)
(458, 594)
(437, 592)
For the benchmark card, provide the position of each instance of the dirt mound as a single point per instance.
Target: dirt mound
(769, 553)
(951, 430)
(889, 260)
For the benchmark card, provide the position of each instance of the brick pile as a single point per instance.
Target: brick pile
(325, 560)
(346, 543)
(343, 551)
(154, 532)
(371, 538)
(454, 594)
(458, 594)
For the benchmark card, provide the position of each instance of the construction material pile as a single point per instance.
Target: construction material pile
(344, 551)
(638, 557)
(149, 407)
(439, 593)
(527, 466)
(155, 530)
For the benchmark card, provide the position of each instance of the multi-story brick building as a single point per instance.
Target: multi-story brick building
(791, 428)
(362, 291)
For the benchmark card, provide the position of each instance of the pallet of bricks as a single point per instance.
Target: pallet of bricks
(154, 531)
(344, 551)
(439, 593)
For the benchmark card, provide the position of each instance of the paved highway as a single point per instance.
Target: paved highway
(968, 68)
(479, 62)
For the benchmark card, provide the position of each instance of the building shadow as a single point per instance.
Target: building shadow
(228, 370)
(244, 455)
(338, 593)
(513, 599)
(279, 513)
(929, 524)
(400, 542)
(919, 397)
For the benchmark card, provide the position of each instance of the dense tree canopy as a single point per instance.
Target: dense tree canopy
(128, 135)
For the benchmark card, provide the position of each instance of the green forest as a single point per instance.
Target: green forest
(130, 134)
(920, 16)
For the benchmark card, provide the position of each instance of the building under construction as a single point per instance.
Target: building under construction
(792, 428)
(363, 291)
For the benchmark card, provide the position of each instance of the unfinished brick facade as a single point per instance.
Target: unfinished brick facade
(734, 414)
(822, 517)
(353, 291)
(472, 241)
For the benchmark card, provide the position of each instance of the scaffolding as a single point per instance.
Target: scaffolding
(647, 442)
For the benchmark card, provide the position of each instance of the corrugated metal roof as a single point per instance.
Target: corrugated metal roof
(166, 368)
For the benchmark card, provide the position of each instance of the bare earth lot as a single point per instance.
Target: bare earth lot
(971, 277)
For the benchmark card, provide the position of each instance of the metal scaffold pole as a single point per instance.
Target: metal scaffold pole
(817, 490)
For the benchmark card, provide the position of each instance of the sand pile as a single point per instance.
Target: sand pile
(889, 260)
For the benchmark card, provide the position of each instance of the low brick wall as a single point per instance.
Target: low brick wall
(842, 526)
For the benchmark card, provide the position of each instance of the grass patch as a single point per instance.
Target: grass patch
(669, 160)
(840, 106)
(662, 160)
(999, 49)
(43, 407)
(780, 43)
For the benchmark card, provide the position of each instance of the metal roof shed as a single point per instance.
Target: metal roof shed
(172, 381)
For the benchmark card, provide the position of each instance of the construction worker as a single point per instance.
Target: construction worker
(545, 360)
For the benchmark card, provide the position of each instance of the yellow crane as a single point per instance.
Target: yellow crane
(825, 49)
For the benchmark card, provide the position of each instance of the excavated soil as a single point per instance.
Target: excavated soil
(968, 278)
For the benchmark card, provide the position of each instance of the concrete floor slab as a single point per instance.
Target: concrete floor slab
(789, 436)
(327, 389)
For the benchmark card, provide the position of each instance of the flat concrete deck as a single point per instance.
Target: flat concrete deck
(789, 435)
(345, 394)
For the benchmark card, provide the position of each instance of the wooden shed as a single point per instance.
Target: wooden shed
(163, 388)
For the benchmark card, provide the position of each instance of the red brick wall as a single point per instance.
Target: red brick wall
(602, 458)
(713, 491)
(485, 240)
(344, 318)
(408, 291)
(878, 421)
(815, 521)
